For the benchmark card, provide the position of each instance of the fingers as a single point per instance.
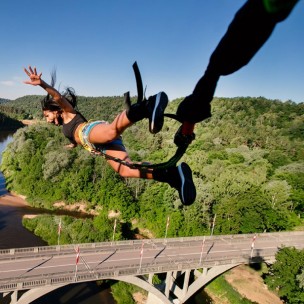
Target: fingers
(30, 68)
(27, 72)
(32, 72)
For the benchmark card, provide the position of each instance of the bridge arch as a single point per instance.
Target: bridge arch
(35, 293)
(202, 279)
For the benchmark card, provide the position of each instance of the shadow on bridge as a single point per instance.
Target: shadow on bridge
(257, 261)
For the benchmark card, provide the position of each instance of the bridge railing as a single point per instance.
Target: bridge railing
(135, 244)
(62, 278)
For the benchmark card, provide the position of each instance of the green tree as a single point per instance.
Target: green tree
(105, 226)
(286, 273)
(300, 279)
(277, 192)
(248, 213)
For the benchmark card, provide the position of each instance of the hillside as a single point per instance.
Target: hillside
(29, 107)
(9, 124)
(247, 161)
(3, 100)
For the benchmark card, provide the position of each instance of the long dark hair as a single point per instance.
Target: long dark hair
(48, 104)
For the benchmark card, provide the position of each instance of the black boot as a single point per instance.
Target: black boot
(180, 178)
(153, 108)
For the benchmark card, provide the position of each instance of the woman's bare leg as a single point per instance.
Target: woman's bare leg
(123, 170)
(179, 177)
(153, 109)
(105, 133)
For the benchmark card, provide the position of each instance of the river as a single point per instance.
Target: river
(14, 235)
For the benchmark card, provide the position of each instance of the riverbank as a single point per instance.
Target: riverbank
(11, 199)
(15, 201)
(12, 232)
(28, 122)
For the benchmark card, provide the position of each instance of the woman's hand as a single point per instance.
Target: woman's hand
(35, 79)
(70, 146)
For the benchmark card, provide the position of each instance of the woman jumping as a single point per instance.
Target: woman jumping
(60, 109)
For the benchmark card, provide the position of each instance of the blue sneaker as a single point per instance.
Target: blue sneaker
(184, 184)
(156, 106)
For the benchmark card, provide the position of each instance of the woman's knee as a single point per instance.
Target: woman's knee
(125, 171)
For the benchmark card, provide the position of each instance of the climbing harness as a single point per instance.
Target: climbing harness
(182, 139)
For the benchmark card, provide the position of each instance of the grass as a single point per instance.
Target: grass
(222, 290)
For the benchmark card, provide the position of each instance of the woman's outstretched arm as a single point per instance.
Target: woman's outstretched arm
(36, 80)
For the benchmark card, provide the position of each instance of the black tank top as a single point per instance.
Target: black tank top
(70, 128)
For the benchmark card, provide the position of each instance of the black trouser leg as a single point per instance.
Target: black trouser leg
(246, 34)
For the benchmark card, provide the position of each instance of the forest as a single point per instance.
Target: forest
(247, 161)
(9, 117)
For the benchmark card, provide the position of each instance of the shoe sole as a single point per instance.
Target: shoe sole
(157, 117)
(187, 192)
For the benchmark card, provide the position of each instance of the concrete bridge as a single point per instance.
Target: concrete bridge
(189, 264)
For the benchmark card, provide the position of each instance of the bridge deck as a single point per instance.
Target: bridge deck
(26, 268)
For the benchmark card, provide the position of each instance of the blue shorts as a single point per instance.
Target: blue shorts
(115, 144)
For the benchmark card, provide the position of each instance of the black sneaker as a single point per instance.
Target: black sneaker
(156, 106)
(184, 184)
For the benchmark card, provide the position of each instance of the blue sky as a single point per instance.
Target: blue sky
(94, 43)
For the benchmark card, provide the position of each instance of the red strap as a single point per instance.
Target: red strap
(187, 128)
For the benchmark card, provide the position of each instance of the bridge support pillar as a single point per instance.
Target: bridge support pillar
(168, 283)
(14, 297)
(150, 278)
(186, 282)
